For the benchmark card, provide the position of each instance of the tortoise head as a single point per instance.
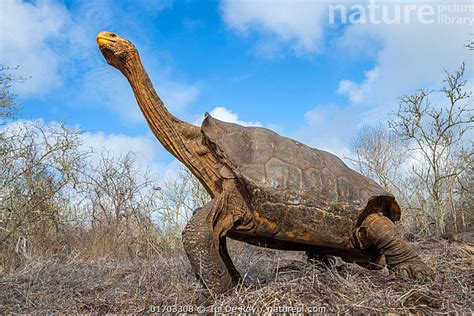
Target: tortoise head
(117, 50)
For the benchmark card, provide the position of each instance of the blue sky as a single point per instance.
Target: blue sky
(281, 65)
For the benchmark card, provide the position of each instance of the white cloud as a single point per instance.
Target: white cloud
(357, 92)
(25, 31)
(226, 115)
(146, 151)
(298, 24)
(410, 56)
(51, 44)
(405, 57)
(144, 147)
(329, 127)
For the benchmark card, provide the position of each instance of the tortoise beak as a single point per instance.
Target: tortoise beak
(103, 38)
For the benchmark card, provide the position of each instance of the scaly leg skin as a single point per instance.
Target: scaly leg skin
(401, 259)
(234, 273)
(203, 242)
(202, 248)
(377, 263)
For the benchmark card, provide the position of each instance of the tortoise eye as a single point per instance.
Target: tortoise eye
(112, 34)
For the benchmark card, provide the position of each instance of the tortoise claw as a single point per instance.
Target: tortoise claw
(416, 270)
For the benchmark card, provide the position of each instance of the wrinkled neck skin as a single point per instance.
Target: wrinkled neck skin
(182, 140)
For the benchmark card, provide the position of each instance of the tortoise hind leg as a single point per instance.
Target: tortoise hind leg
(379, 231)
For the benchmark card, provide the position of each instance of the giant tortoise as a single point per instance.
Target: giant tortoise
(268, 190)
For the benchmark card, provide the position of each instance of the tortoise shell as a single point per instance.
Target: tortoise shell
(279, 165)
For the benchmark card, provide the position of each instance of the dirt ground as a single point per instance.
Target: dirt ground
(274, 281)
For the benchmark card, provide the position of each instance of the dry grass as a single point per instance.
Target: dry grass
(271, 279)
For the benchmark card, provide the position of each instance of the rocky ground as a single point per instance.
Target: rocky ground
(274, 281)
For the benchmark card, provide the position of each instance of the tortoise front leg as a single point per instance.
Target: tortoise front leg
(380, 231)
(234, 273)
(202, 239)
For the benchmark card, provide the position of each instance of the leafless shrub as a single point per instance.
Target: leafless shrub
(438, 135)
(54, 200)
(177, 198)
(118, 201)
(8, 106)
(38, 163)
(379, 155)
(425, 157)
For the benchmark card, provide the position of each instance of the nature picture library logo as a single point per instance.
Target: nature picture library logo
(394, 12)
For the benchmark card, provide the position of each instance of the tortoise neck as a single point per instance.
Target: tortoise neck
(172, 133)
(181, 139)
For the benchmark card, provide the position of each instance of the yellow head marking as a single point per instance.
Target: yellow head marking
(104, 38)
(102, 41)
